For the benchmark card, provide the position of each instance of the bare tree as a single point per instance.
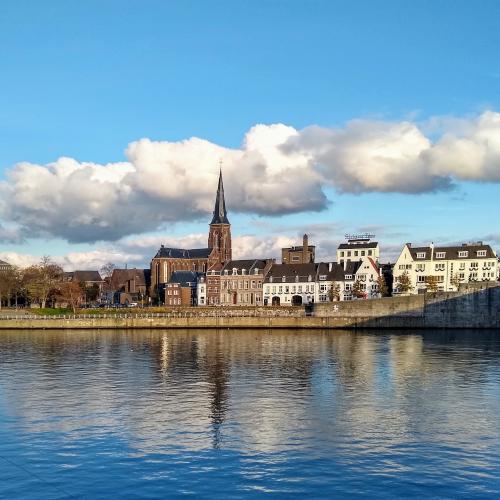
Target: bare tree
(455, 280)
(358, 290)
(107, 270)
(72, 293)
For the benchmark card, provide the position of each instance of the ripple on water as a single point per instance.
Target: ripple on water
(245, 414)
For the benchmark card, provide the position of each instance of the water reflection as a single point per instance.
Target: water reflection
(379, 406)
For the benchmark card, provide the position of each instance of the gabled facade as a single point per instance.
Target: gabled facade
(241, 282)
(447, 265)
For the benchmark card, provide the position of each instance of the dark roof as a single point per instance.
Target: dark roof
(181, 253)
(86, 276)
(300, 248)
(332, 271)
(184, 278)
(451, 252)
(220, 212)
(292, 271)
(121, 276)
(248, 264)
(355, 246)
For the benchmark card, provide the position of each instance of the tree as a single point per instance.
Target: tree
(403, 283)
(432, 283)
(455, 280)
(334, 292)
(383, 290)
(72, 293)
(107, 270)
(358, 290)
(10, 284)
(41, 280)
(92, 292)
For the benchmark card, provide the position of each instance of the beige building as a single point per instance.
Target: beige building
(449, 266)
(305, 254)
(241, 282)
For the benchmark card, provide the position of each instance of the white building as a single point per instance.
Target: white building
(290, 284)
(201, 291)
(297, 284)
(473, 262)
(357, 247)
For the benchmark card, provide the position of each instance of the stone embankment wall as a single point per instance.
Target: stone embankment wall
(472, 307)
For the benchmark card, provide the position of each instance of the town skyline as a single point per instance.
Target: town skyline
(313, 136)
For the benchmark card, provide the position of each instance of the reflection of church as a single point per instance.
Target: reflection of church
(167, 260)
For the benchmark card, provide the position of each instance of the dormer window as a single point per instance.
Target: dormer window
(464, 253)
(440, 255)
(283, 279)
(235, 271)
(256, 270)
(348, 276)
(226, 272)
(309, 278)
(421, 255)
(322, 277)
(296, 279)
(243, 271)
(270, 279)
(481, 253)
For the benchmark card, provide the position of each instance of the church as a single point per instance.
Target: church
(218, 251)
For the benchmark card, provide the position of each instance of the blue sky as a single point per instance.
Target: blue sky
(84, 79)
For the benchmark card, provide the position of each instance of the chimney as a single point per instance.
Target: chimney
(330, 265)
(305, 248)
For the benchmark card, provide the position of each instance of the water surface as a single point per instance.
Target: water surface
(242, 414)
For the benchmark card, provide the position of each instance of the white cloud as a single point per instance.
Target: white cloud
(277, 170)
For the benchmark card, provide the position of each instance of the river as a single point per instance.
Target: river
(247, 414)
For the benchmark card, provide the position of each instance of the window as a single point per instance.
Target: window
(348, 276)
(322, 277)
(420, 267)
(370, 252)
(355, 253)
(253, 284)
(349, 253)
(341, 254)
(243, 271)
(440, 255)
(280, 289)
(299, 289)
(295, 258)
(481, 253)
(464, 253)
(362, 253)
(439, 267)
(421, 255)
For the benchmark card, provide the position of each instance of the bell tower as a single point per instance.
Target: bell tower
(219, 236)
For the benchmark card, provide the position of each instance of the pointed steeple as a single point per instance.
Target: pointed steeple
(220, 212)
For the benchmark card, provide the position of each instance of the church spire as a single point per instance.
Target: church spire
(220, 212)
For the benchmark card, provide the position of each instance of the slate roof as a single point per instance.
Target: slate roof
(291, 272)
(181, 253)
(356, 246)
(185, 278)
(451, 252)
(335, 274)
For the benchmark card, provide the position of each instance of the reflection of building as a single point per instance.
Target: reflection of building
(241, 282)
(167, 260)
(304, 254)
(448, 266)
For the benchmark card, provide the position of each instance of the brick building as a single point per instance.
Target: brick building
(305, 254)
(241, 282)
(181, 289)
